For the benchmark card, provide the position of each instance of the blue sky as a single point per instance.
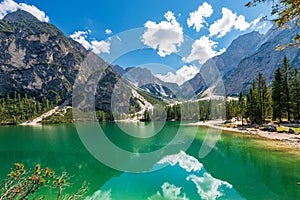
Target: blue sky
(156, 31)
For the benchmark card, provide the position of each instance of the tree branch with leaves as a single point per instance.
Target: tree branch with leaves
(285, 12)
(22, 184)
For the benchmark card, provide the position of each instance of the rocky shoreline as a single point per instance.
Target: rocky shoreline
(287, 139)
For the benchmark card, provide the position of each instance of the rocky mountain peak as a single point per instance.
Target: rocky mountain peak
(223, 64)
(37, 58)
(20, 16)
(245, 42)
(265, 59)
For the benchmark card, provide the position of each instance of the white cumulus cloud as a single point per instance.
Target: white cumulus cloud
(255, 22)
(169, 191)
(95, 46)
(202, 50)
(209, 187)
(240, 23)
(165, 36)
(259, 23)
(103, 195)
(80, 37)
(197, 18)
(182, 75)
(228, 21)
(8, 6)
(108, 31)
(185, 161)
(100, 46)
(264, 25)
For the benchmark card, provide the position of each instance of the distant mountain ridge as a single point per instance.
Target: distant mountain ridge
(221, 65)
(265, 59)
(145, 80)
(245, 57)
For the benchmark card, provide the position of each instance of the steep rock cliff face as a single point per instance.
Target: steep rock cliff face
(238, 49)
(266, 59)
(37, 59)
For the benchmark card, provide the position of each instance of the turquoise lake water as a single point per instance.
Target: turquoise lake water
(238, 167)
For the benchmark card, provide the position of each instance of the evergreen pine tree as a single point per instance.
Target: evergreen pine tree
(295, 94)
(147, 115)
(277, 95)
(269, 110)
(242, 106)
(262, 96)
(228, 109)
(286, 75)
(252, 104)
